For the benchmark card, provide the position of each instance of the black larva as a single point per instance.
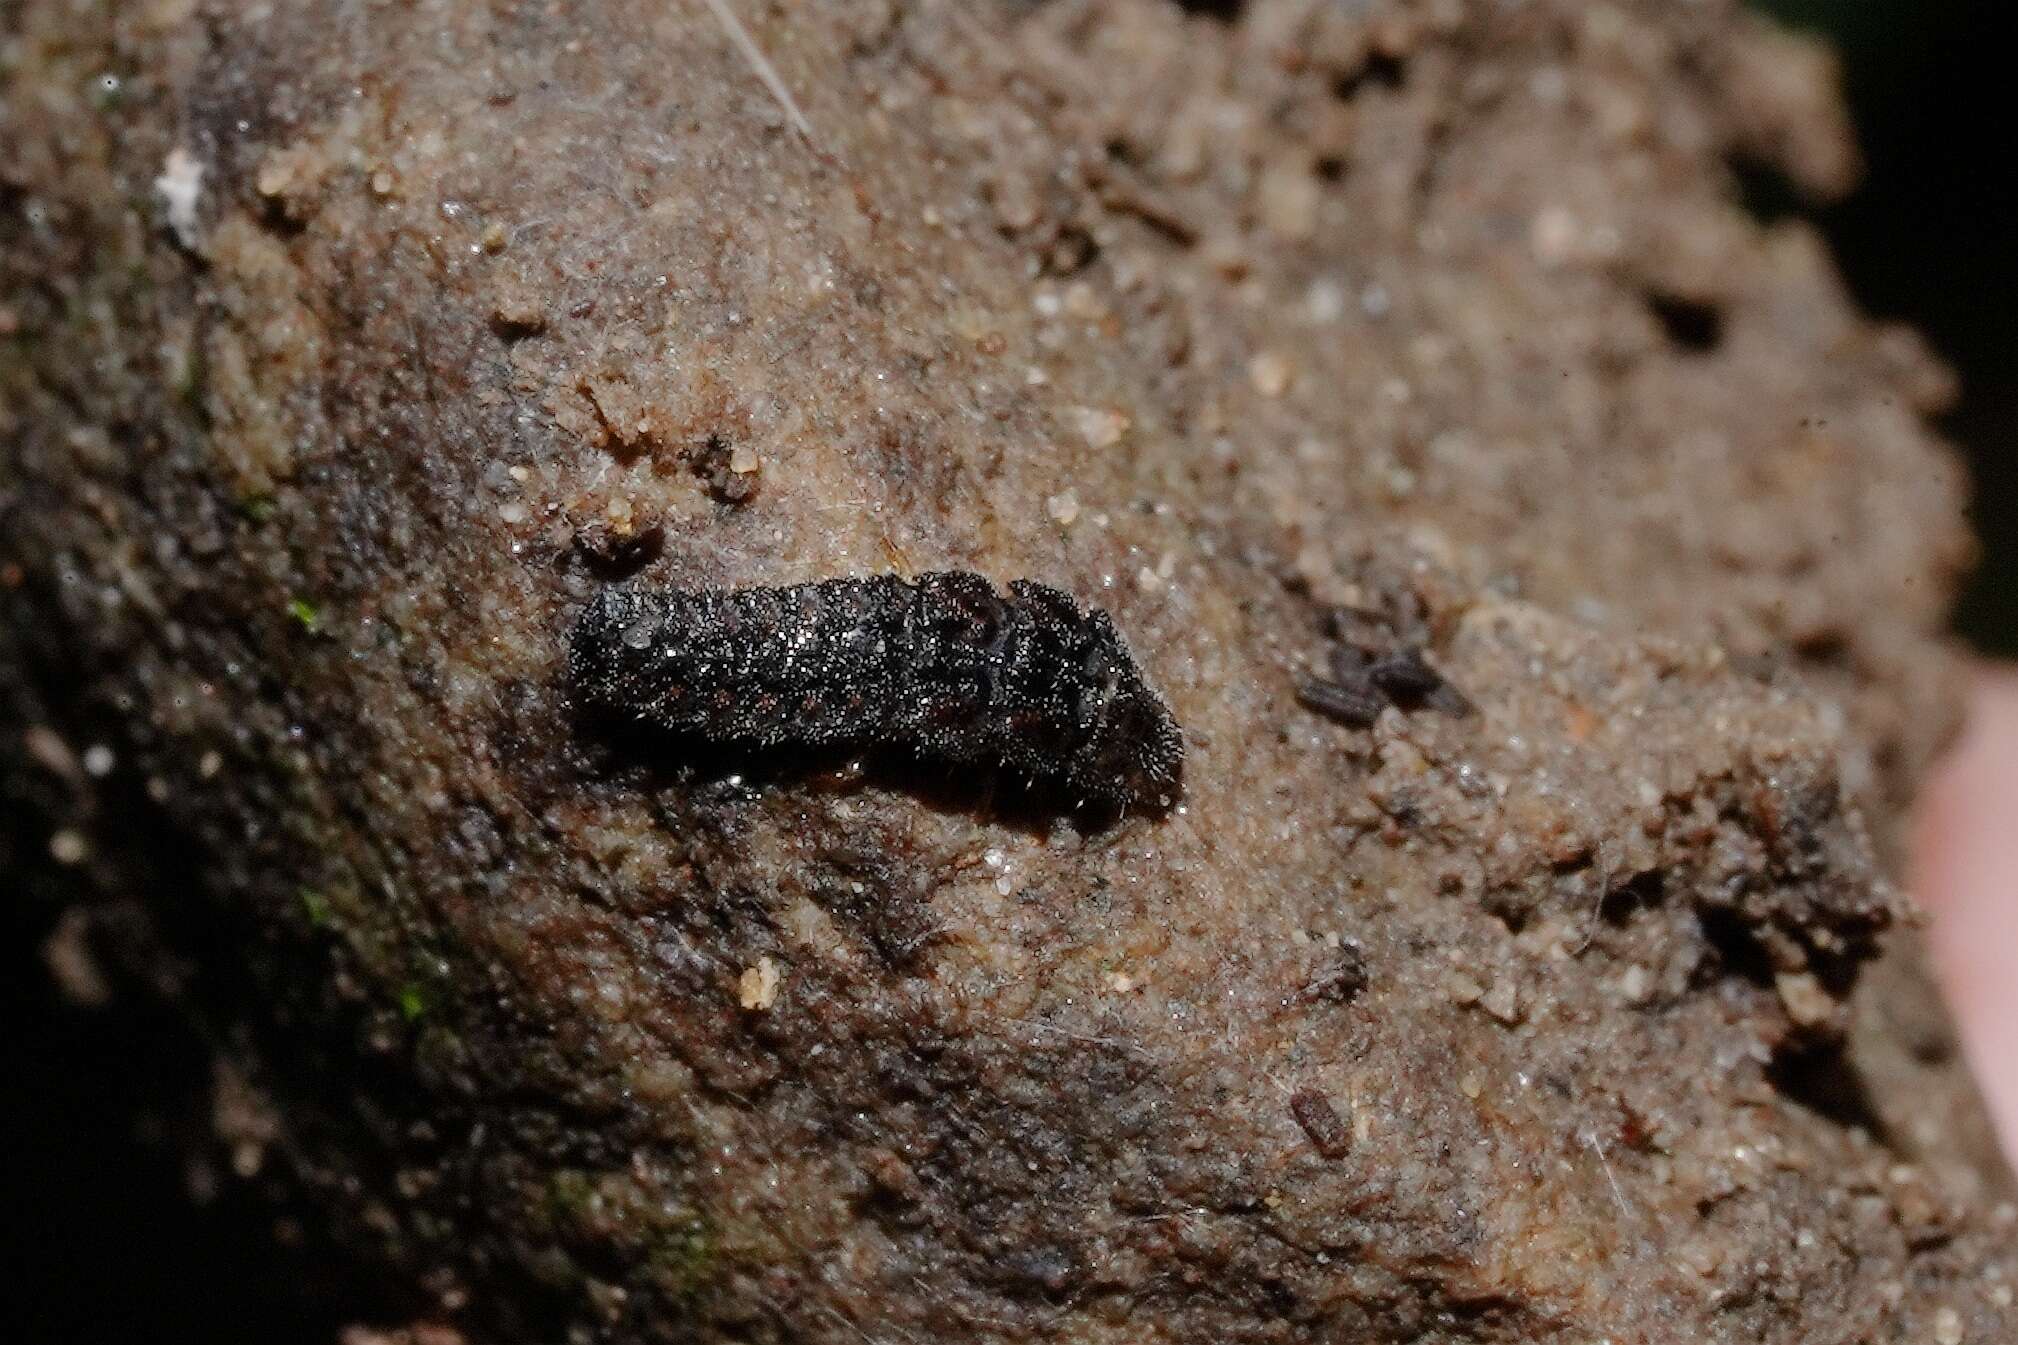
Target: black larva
(942, 666)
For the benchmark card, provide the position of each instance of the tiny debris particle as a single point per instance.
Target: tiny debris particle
(618, 550)
(1313, 1111)
(757, 988)
(1553, 235)
(316, 907)
(67, 847)
(1063, 508)
(743, 460)
(1102, 427)
(1502, 1002)
(1807, 1003)
(1017, 205)
(1324, 301)
(1702, 1258)
(495, 237)
(209, 764)
(1289, 199)
(1346, 705)
(180, 187)
(275, 176)
(98, 761)
(50, 752)
(1947, 1327)
(1462, 989)
(72, 964)
(1341, 978)
(1270, 373)
(1636, 984)
(517, 312)
(1082, 301)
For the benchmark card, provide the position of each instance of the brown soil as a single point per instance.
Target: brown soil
(345, 350)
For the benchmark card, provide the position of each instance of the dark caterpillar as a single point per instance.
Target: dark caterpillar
(942, 666)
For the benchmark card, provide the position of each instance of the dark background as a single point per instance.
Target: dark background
(99, 1242)
(1932, 237)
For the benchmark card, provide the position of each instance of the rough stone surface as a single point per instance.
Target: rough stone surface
(347, 349)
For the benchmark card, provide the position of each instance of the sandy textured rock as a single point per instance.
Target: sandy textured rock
(351, 348)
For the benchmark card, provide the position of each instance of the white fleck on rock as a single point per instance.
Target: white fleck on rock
(1102, 427)
(1807, 1003)
(71, 962)
(49, 750)
(757, 988)
(67, 847)
(1461, 988)
(1289, 199)
(1502, 1002)
(1553, 235)
(1947, 1326)
(1082, 301)
(1270, 373)
(1063, 508)
(1324, 301)
(180, 187)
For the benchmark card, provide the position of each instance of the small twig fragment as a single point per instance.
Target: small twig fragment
(1329, 1135)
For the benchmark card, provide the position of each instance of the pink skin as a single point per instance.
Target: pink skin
(1966, 873)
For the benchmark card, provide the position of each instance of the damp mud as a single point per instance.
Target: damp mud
(349, 352)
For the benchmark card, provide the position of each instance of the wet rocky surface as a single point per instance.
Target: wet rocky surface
(347, 352)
